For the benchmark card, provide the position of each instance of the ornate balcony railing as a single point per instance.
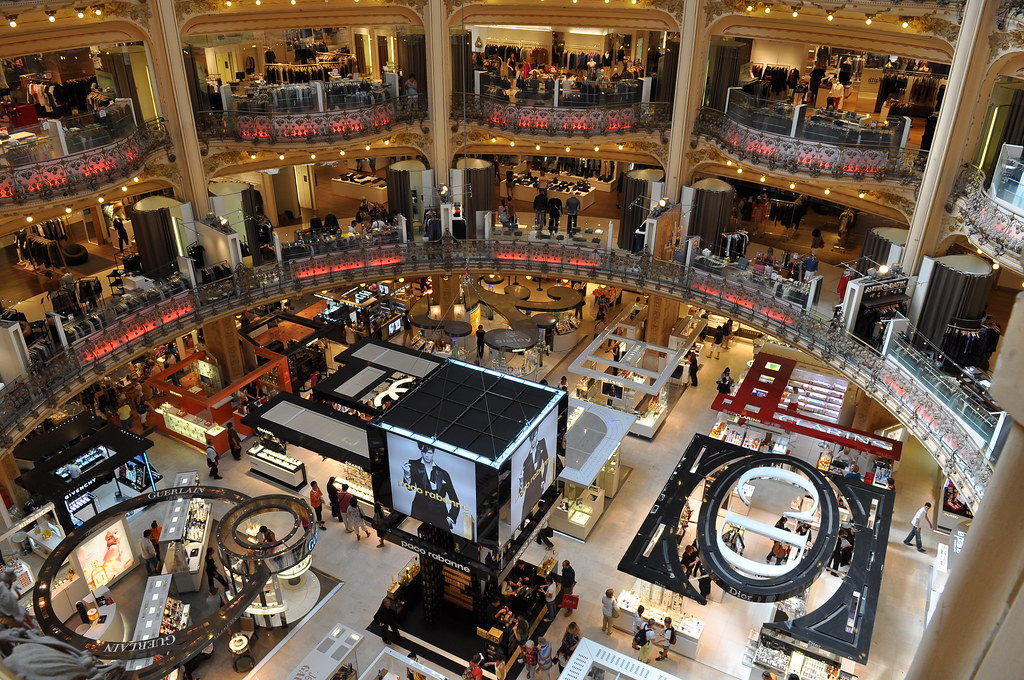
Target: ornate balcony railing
(85, 171)
(586, 121)
(322, 126)
(927, 414)
(775, 151)
(988, 224)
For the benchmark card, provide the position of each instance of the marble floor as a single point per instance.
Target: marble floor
(367, 570)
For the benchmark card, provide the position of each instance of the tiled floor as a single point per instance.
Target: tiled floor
(368, 570)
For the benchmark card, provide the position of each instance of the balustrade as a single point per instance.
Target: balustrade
(928, 413)
(988, 223)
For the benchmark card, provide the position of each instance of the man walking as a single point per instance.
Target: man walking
(915, 526)
(148, 554)
(568, 581)
(344, 501)
(387, 617)
(480, 333)
(211, 459)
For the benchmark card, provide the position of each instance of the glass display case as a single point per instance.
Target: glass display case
(609, 477)
(781, 654)
(735, 430)
(566, 331)
(660, 603)
(359, 482)
(652, 411)
(268, 460)
(816, 395)
(184, 560)
(186, 425)
(577, 512)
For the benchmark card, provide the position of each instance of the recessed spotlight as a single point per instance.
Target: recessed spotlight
(80, 12)
(98, 11)
(312, 156)
(367, 147)
(729, 163)
(67, 210)
(135, 179)
(739, 171)
(979, 251)
(51, 15)
(100, 199)
(828, 191)
(767, 9)
(387, 142)
(124, 188)
(28, 218)
(796, 12)
(512, 143)
(904, 23)
(280, 156)
(621, 147)
(792, 185)
(861, 194)
(568, 149)
(750, 8)
(762, 179)
(597, 148)
(883, 270)
(252, 155)
(537, 147)
(341, 153)
(869, 19)
(12, 21)
(228, 3)
(493, 140)
(830, 15)
(995, 265)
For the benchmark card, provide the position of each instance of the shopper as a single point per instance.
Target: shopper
(690, 560)
(521, 632)
(124, 413)
(638, 619)
(572, 209)
(142, 408)
(666, 639)
(356, 518)
(609, 611)
(692, 359)
(544, 534)
(551, 597)
(473, 670)
(212, 458)
(545, 659)
(234, 441)
(719, 339)
(500, 672)
(570, 640)
(915, 526)
(148, 554)
(378, 523)
(215, 600)
(554, 214)
(155, 529)
(212, 573)
(529, 658)
(332, 498)
(344, 501)
(387, 618)
(568, 581)
(727, 329)
(724, 384)
(480, 333)
(563, 384)
(316, 501)
(644, 640)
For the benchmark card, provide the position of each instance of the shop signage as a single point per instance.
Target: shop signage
(435, 555)
(844, 622)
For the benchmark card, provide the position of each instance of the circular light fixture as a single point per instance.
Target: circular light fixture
(537, 147)
(828, 191)
(312, 156)
(662, 202)
(512, 143)
(67, 210)
(387, 142)
(904, 23)
(861, 194)
(729, 163)
(739, 171)
(792, 185)
(995, 265)
(493, 140)
(51, 16)
(135, 179)
(979, 251)
(767, 9)
(252, 155)
(28, 218)
(868, 19)
(621, 147)
(12, 21)
(124, 188)
(367, 147)
(597, 148)
(568, 149)
(80, 13)
(259, 2)
(280, 156)
(98, 11)
(796, 13)
(883, 270)
(763, 178)
(750, 8)
(341, 153)
(228, 3)
(100, 199)
(293, 2)
(830, 15)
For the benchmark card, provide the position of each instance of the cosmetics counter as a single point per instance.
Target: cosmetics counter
(267, 458)
(184, 558)
(659, 603)
(160, 614)
(358, 480)
(190, 428)
(773, 651)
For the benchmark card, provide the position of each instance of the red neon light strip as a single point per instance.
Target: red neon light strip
(111, 345)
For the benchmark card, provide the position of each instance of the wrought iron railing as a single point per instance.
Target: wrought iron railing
(585, 121)
(928, 415)
(988, 224)
(782, 152)
(87, 170)
(323, 126)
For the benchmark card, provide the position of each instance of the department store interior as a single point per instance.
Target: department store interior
(491, 341)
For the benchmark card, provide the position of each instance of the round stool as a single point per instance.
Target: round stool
(74, 253)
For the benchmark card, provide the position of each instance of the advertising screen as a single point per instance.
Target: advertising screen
(433, 485)
(106, 555)
(533, 467)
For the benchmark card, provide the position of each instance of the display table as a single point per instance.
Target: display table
(659, 603)
(190, 428)
(578, 516)
(359, 186)
(523, 192)
(277, 466)
(358, 480)
(185, 560)
(109, 625)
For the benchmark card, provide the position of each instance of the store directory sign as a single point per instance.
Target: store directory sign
(433, 485)
(533, 467)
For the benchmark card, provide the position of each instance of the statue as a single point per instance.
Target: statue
(36, 657)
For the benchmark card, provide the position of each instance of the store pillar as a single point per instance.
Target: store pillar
(976, 628)
(439, 58)
(447, 293)
(712, 208)
(473, 186)
(641, 189)
(222, 341)
(956, 130)
(662, 314)
(685, 96)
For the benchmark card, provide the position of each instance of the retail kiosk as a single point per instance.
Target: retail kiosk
(302, 341)
(198, 401)
(592, 472)
(75, 479)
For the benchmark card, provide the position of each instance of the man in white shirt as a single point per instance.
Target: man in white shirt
(550, 593)
(212, 458)
(148, 553)
(915, 526)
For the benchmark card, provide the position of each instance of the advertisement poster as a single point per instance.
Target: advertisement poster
(106, 555)
(533, 467)
(433, 485)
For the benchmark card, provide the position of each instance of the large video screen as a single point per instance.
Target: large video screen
(106, 555)
(433, 485)
(534, 467)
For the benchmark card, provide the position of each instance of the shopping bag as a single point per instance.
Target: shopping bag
(570, 601)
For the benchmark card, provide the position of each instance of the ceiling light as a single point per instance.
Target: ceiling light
(252, 155)
(904, 22)
(228, 3)
(868, 19)
(100, 199)
(763, 178)
(979, 251)
(767, 9)
(259, 2)
(662, 203)
(792, 185)
(728, 163)
(28, 218)
(621, 147)
(124, 188)
(67, 210)
(293, 2)
(883, 270)
(12, 20)
(341, 153)
(98, 11)
(995, 265)
(739, 171)
(312, 156)
(493, 140)
(512, 143)
(861, 194)
(750, 8)
(135, 179)
(597, 148)
(280, 156)
(830, 15)
(80, 12)
(828, 191)
(537, 147)
(796, 12)
(367, 147)
(387, 142)
(51, 15)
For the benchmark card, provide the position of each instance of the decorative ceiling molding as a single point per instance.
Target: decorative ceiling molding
(641, 17)
(70, 36)
(217, 20)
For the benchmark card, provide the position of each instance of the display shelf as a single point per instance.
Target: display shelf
(186, 425)
(185, 560)
(403, 578)
(84, 462)
(576, 515)
(658, 604)
(358, 480)
(76, 504)
(177, 513)
(152, 613)
(277, 466)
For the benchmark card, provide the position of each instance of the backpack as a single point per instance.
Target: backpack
(672, 636)
(640, 638)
